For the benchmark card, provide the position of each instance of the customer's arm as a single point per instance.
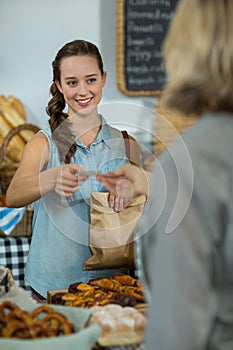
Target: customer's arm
(135, 181)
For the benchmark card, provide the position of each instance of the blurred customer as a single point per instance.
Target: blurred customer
(187, 253)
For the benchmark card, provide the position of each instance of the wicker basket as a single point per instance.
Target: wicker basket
(7, 167)
(24, 227)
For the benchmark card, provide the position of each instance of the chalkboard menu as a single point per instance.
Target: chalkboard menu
(140, 30)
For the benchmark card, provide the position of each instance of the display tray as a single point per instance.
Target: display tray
(142, 307)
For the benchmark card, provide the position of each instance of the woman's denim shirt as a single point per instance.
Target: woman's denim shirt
(60, 238)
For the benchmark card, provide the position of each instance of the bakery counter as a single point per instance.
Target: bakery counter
(121, 334)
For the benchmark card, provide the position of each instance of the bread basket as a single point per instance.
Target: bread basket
(7, 166)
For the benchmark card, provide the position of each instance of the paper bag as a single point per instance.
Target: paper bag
(111, 233)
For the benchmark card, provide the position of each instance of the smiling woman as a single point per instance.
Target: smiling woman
(76, 141)
(79, 78)
(85, 87)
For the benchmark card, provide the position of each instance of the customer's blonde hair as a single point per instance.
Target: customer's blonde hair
(198, 56)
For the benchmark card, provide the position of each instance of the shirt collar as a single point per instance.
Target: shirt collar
(104, 134)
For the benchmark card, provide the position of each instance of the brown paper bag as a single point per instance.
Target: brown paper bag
(111, 233)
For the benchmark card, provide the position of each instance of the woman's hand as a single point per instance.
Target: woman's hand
(68, 181)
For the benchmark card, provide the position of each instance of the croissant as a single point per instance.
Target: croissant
(120, 289)
(78, 303)
(68, 297)
(133, 293)
(106, 284)
(79, 287)
(126, 280)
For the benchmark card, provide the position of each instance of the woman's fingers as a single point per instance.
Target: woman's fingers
(68, 181)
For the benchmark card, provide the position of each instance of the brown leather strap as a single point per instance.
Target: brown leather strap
(132, 151)
(127, 143)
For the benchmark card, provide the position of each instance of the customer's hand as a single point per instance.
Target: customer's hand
(123, 184)
(120, 197)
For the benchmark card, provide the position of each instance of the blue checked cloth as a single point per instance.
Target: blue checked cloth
(9, 218)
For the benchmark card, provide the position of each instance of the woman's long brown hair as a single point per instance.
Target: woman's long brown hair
(64, 138)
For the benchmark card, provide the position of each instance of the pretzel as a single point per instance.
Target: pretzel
(43, 321)
(7, 306)
(17, 329)
(58, 323)
(22, 316)
(42, 311)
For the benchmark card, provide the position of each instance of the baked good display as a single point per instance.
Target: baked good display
(119, 325)
(42, 322)
(118, 286)
(119, 289)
